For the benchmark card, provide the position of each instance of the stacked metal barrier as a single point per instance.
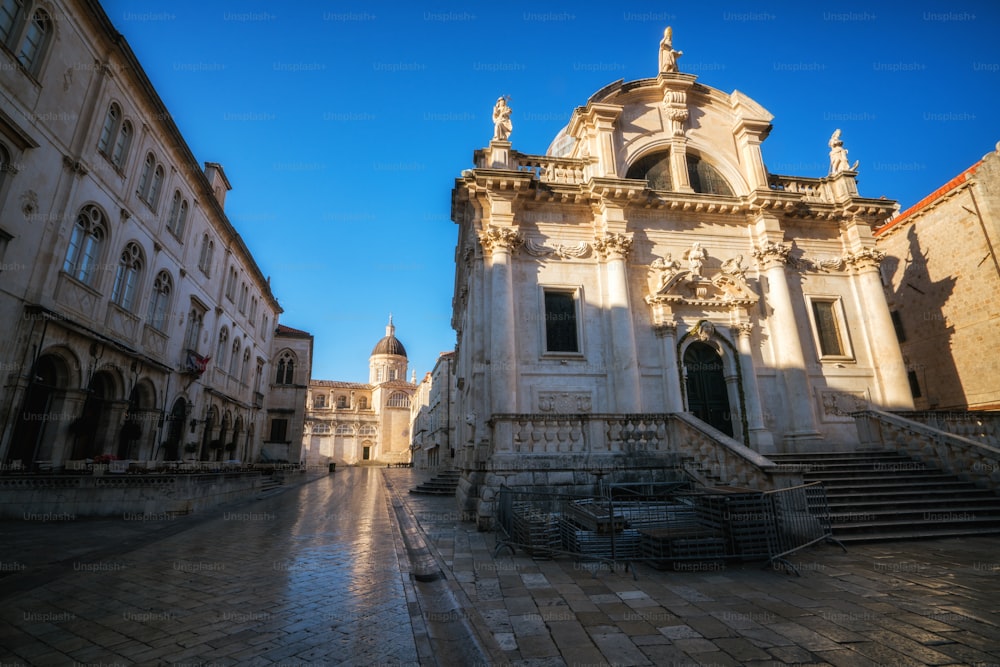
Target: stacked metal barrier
(670, 526)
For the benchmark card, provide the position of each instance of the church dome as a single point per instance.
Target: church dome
(389, 344)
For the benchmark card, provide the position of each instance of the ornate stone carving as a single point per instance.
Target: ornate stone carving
(576, 250)
(822, 265)
(695, 256)
(735, 267)
(668, 55)
(838, 155)
(742, 329)
(703, 331)
(564, 402)
(867, 258)
(502, 126)
(842, 404)
(772, 253)
(505, 238)
(662, 270)
(613, 246)
(29, 203)
(675, 110)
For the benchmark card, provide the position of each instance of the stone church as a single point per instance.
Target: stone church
(361, 423)
(647, 290)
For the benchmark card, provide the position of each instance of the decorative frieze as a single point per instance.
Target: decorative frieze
(564, 251)
(565, 402)
(771, 254)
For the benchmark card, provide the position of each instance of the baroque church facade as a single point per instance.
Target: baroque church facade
(647, 290)
(138, 324)
(352, 423)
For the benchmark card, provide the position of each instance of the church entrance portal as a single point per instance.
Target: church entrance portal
(707, 397)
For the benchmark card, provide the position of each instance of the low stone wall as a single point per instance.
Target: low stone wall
(66, 497)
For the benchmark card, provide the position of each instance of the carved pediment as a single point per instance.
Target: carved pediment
(683, 287)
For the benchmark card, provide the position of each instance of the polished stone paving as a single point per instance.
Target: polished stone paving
(310, 576)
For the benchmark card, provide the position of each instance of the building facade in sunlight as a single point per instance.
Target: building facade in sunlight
(361, 423)
(137, 323)
(647, 290)
(942, 276)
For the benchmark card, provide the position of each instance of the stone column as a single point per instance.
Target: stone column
(789, 357)
(887, 358)
(499, 243)
(625, 364)
(760, 438)
(672, 398)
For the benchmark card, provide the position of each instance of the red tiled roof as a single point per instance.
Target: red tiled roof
(929, 199)
(289, 331)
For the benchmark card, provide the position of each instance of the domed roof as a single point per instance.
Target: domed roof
(389, 344)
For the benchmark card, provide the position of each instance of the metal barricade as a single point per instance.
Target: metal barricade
(672, 527)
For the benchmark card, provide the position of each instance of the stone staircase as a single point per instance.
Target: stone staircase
(270, 485)
(883, 495)
(444, 484)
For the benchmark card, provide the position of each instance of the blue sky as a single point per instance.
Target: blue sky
(342, 126)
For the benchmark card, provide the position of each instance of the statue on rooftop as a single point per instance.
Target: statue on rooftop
(668, 56)
(838, 155)
(501, 119)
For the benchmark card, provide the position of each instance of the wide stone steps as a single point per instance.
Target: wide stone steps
(443, 484)
(879, 496)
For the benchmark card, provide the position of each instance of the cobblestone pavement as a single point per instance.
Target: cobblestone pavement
(903, 603)
(310, 576)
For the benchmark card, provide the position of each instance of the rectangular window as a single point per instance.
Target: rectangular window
(827, 329)
(560, 322)
(279, 430)
(897, 324)
(914, 384)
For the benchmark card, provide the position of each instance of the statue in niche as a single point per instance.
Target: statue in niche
(695, 257)
(501, 119)
(667, 267)
(838, 155)
(668, 56)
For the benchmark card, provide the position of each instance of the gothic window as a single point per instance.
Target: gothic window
(398, 399)
(110, 129)
(178, 215)
(321, 429)
(35, 40)
(127, 276)
(9, 11)
(181, 221)
(560, 322)
(205, 259)
(85, 244)
(344, 429)
(367, 430)
(235, 358)
(146, 177)
(253, 311)
(286, 369)
(244, 291)
(259, 375)
(829, 329)
(245, 366)
(122, 144)
(231, 284)
(159, 304)
(221, 347)
(155, 186)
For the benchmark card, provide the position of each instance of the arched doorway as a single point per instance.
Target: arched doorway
(140, 402)
(175, 430)
(707, 394)
(48, 380)
(90, 428)
(234, 445)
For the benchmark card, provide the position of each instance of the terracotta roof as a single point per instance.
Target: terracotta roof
(283, 330)
(930, 199)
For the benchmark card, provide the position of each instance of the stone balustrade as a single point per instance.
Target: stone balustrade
(810, 188)
(959, 455)
(981, 426)
(551, 170)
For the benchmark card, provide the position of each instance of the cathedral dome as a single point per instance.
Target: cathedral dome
(389, 344)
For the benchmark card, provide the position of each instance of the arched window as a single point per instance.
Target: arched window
(220, 349)
(122, 145)
(110, 130)
(341, 401)
(195, 319)
(231, 284)
(35, 40)
(705, 178)
(363, 403)
(5, 165)
(155, 186)
(85, 244)
(321, 429)
(319, 401)
(367, 430)
(205, 260)
(9, 12)
(181, 220)
(159, 303)
(245, 366)
(127, 276)
(146, 176)
(253, 311)
(344, 429)
(286, 368)
(175, 211)
(655, 169)
(398, 399)
(235, 358)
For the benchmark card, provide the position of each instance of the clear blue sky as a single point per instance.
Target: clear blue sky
(342, 126)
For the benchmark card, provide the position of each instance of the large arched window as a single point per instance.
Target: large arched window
(159, 303)
(345, 429)
(85, 244)
(367, 430)
(35, 41)
(655, 170)
(703, 177)
(127, 276)
(321, 429)
(398, 399)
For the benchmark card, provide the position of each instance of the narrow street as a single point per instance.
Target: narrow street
(314, 575)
